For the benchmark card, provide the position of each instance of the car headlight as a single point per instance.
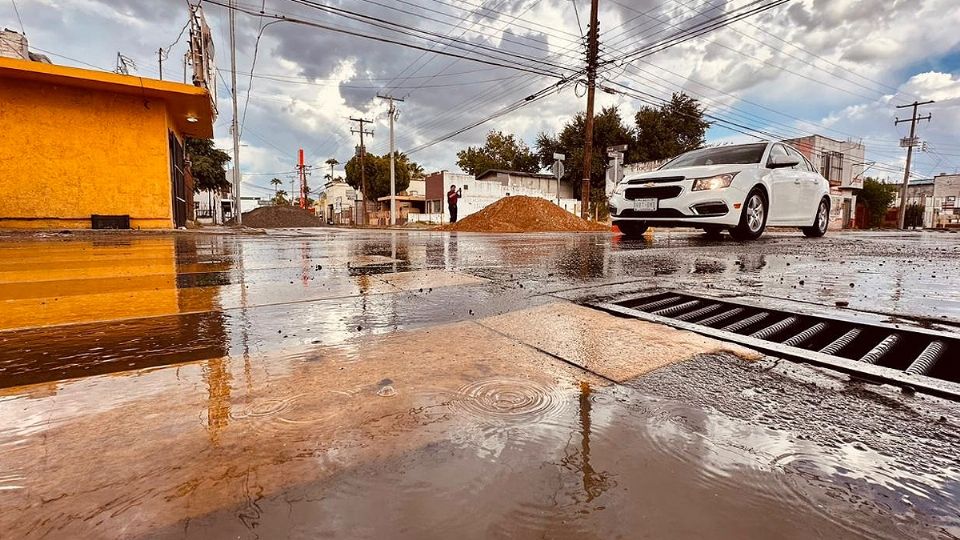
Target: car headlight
(619, 189)
(719, 181)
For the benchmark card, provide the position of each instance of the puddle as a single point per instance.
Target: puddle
(582, 461)
(328, 384)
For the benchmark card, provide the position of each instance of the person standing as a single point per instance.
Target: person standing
(452, 197)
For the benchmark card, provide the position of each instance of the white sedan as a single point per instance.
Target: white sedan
(740, 188)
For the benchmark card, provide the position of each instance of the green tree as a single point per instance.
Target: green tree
(500, 151)
(608, 130)
(876, 196)
(208, 165)
(377, 169)
(416, 171)
(669, 130)
(280, 198)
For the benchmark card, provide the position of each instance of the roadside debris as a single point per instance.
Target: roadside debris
(524, 214)
(280, 217)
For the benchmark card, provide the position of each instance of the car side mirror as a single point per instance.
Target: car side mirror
(782, 162)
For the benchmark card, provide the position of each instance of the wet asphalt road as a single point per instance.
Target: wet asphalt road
(320, 383)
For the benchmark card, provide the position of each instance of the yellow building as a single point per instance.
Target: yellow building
(77, 143)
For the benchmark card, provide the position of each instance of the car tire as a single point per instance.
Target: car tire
(713, 233)
(631, 229)
(753, 216)
(820, 221)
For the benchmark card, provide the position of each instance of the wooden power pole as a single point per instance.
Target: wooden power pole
(363, 171)
(592, 51)
(909, 143)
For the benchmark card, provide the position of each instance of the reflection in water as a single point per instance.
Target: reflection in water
(434, 249)
(453, 260)
(583, 260)
(216, 375)
(594, 483)
(751, 262)
(105, 307)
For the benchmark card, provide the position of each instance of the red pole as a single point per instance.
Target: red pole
(303, 182)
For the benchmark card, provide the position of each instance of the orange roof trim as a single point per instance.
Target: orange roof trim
(184, 100)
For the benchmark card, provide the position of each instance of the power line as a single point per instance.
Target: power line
(412, 31)
(452, 62)
(389, 84)
(19, 20)
(498, 62)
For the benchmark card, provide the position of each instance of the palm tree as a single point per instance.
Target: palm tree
(332, 162)
(276, 185)
(280, 197)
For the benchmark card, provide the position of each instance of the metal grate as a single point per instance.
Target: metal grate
(98, 221)
(919, 358)
(658, 192)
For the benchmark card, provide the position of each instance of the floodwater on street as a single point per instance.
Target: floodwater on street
(347, 384)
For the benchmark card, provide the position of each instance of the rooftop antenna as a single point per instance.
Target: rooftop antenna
(124, 64)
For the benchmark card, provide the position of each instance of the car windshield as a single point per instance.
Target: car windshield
(722, 155)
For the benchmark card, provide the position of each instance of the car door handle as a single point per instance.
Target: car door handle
(796, 181)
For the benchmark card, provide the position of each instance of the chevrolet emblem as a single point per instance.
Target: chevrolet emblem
(649, 184)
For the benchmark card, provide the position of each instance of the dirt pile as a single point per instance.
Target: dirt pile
(280, 217)
(524, 214)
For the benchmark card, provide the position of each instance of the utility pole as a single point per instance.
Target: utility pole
(363, 172)
(909, 143)
(393, 174)
(160, 61)
(592, 49)
(233, 124)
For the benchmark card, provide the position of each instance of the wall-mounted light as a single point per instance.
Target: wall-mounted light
(192, 119)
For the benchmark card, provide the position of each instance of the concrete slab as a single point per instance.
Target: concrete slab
(615, 348)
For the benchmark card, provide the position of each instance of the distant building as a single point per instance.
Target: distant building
(13, 44)
(338, 203)
(87, 149)
(841, 163)
(489, 187)
(939, 196)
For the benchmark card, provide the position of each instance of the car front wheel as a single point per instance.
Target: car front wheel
(820, 222)
(753, 218)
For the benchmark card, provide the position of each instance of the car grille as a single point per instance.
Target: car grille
(660, 192)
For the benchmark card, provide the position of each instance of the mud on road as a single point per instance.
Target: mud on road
(322, 383)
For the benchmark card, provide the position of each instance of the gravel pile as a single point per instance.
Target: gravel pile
(280, 217)
(524, 214)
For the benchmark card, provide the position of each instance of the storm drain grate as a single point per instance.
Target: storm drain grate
(918, 358)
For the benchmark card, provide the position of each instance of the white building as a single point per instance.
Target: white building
(488, 188)
(939, 196)
(338, 203)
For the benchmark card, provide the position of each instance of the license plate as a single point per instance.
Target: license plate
(645, 205)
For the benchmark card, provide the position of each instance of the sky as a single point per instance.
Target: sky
(834, 67)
